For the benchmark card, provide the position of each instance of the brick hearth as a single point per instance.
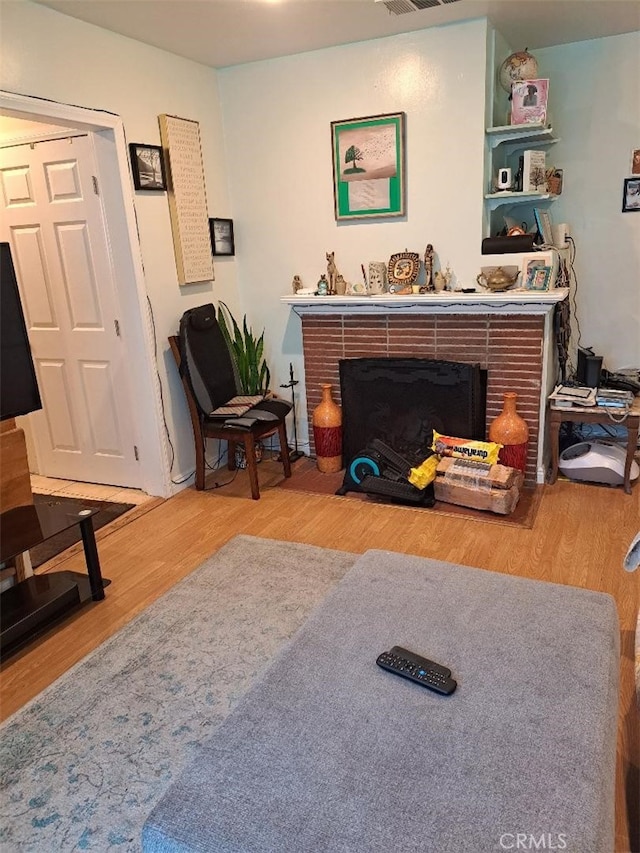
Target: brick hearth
(508, 346)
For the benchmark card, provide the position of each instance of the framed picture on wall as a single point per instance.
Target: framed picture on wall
(147, 166)
(222, 240)
(369, 166)
(631, 195)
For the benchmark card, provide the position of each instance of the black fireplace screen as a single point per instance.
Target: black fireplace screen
(403, 400)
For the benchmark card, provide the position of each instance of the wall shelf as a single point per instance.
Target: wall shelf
(523, 134)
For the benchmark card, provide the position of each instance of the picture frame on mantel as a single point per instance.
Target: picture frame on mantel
(222, 239)
(368, 157)
(147, 167)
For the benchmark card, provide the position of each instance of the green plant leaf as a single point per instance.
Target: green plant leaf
(247, 352)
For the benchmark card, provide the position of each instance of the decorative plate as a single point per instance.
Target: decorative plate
(404, 268)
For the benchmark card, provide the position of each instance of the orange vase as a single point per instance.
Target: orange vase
(327, 433)
(510, 430)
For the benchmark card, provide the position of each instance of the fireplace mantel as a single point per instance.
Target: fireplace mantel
(481, 302)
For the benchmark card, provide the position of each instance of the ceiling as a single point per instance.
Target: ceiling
(219, 33)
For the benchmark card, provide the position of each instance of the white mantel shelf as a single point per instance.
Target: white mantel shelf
(481, 302)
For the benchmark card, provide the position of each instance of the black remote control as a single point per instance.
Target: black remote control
(424, 674)
(424, 662)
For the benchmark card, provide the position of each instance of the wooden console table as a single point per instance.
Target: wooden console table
(593, 415)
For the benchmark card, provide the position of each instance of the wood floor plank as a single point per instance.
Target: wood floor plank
(579, 538)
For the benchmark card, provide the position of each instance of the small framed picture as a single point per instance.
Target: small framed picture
(222, 241)
(543, 224)
(635, 162)
(529, 101)
(535, 274)
(631, 195)
(147, 165)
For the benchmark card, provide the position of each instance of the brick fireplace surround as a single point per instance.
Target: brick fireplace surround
(513, 345)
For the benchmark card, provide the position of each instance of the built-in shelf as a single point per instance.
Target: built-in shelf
(523, 134)
(499, 199)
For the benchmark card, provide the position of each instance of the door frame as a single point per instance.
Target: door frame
(116, 189)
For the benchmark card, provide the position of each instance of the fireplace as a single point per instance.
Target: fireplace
(403, 400)
(514, 349)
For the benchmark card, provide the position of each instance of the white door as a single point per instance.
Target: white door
(52, 216)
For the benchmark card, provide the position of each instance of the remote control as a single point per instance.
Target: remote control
(425, 674)
(424, 662)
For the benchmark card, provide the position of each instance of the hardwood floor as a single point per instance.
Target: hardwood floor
(580, 536)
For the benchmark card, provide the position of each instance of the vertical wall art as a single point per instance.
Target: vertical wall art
(369, 166)
(187, 199)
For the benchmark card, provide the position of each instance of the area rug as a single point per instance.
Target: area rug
(108, 512)
(84, 763)
(306, 478)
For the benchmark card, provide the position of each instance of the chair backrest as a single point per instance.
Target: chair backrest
(205, 359)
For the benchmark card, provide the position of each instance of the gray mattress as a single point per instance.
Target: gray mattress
(328, 752)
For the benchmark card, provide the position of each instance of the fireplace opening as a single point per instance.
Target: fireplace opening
(401, 401)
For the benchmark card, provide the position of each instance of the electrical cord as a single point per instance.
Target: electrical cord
(172, 456)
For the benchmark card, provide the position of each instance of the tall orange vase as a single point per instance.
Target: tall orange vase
(512, 431)
(327, 433)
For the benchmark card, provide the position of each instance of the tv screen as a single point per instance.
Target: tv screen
(19, 393)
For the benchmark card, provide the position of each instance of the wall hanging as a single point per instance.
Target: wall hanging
(369, 166)
(147, 166)
(187, 199)
(222, 239)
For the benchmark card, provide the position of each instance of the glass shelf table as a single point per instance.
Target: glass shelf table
(32, 605)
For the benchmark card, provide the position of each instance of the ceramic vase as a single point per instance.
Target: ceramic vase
(327, 433)
(512, 431)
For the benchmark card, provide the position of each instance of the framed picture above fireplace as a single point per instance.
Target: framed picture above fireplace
(369, 166)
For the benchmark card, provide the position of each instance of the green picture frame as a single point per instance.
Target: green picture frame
(368, 155)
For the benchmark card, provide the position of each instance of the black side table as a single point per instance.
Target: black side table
(32, 605)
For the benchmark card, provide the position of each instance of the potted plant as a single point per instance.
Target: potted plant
(252, 370)
(247, 351)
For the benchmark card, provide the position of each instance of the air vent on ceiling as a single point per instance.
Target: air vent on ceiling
(401, 7)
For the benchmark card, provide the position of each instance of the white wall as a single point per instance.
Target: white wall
(277, 117)
(594, 95)
(49, 55)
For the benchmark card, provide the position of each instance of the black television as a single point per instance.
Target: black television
(19, 392)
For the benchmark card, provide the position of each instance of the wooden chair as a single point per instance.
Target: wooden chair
(203, 429)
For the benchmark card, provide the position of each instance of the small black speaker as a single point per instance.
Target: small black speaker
(589, 368)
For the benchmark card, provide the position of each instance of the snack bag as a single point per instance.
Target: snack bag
(425, 473)
(466, 448)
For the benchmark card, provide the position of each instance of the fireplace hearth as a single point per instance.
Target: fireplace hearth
(401, 401)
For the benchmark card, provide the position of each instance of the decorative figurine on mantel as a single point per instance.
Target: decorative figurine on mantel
(442, 280)
(332, 273)
(296, 284)
(323, 286)
(428, 268)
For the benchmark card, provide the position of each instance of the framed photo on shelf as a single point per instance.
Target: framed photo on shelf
(536, 275)
(147, 166)
(222, 240)
(635, 162)
(543, 224)
(369, 166)
(529, 101)
(631, 195)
